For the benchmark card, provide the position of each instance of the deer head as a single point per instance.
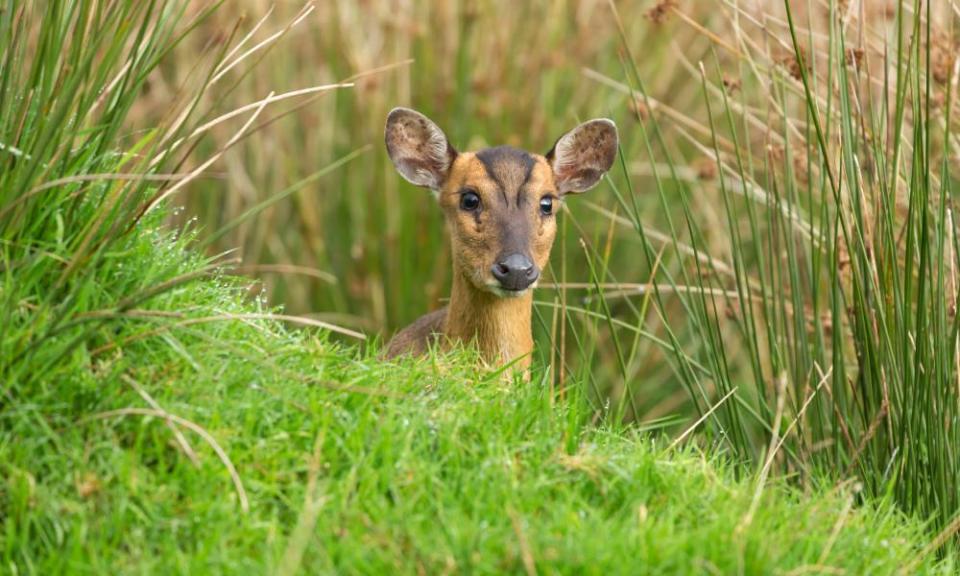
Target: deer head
(499, 203)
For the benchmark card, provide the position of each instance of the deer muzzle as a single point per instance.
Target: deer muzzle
(515, 272)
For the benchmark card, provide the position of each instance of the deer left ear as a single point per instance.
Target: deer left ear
(583, 155)
(418, 148)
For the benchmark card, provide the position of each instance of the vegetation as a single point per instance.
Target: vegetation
(797, 296)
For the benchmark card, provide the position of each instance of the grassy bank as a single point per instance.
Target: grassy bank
(215, 442)
(195, 436)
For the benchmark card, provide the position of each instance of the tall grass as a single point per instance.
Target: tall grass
(77, 176)
(838, 324)
(68, 195)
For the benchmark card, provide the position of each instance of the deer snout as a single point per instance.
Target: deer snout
(515, 272)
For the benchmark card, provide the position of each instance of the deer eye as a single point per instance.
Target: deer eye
(546, 205)
(469, 201)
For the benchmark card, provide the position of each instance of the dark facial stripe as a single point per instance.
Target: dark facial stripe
(509, 167)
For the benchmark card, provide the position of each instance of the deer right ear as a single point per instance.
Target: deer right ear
(583, 155)
(418, 148)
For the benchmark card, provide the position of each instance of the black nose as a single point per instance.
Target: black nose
(515, 272)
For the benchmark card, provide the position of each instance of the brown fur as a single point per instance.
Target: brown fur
(417, 338)
(511, 184)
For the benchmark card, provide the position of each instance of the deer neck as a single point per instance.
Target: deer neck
(501, 327)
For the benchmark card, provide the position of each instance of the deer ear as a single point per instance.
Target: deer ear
(581, 156)
(418, 148)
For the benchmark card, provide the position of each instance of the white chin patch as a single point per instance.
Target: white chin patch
(499, 292)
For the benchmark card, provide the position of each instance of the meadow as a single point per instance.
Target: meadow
(747, 340)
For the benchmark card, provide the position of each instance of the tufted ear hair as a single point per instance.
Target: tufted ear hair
(418, 148)
(583, 155)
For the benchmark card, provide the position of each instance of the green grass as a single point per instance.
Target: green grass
(154, 417)
(351, 465)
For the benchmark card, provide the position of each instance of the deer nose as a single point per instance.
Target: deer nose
(515, 272)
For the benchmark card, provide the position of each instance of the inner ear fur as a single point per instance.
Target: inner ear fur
(418, 148)
(583, 155)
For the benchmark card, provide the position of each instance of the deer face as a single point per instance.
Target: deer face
(500, 203)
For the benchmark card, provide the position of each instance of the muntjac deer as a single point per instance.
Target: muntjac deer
(499, 205)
